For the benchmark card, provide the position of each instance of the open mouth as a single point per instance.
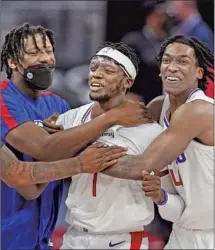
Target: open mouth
(95, 86)
(172, 79)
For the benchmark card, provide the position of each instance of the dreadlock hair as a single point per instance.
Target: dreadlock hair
(14, 48)
(125, 49)
(205, 59)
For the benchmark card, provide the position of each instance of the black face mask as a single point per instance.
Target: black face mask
(40, 76)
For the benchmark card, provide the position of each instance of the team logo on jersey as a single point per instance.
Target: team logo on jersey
(182, 158)
(110, 134)
(115, 244)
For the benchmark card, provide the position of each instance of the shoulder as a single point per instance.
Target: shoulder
(54, 99)
(6, 91)
(69, 117)
(155, 106)
(195, 114)
(4, 85)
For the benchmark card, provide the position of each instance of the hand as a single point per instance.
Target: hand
(152, 187)
(131, 114)
(50, 125)
(97, 157)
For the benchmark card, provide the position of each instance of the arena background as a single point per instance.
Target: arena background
(79, 27)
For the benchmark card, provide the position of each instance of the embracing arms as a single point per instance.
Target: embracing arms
(191, 120)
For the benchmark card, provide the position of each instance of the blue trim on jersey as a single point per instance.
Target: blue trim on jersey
(194, 91)
(29, 224)
(166, 121)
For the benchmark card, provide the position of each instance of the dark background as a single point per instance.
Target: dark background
(128, 16)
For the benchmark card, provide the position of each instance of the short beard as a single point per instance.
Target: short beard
(100, 99)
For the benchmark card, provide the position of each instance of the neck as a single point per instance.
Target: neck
(100, 107)
(25, 89)
(177, 101)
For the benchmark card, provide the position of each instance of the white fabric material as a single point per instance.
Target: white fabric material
(193, 178)
(174, 207)
(74, 239)
(120, 58)
(120, 205)
(182, 238)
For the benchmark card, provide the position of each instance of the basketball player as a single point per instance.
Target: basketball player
(29, 61)
(106, 212)
(186, 145)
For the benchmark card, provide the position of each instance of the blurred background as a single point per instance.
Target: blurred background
(81, 26)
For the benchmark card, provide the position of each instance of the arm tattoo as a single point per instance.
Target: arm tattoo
(15, 172)
(50, 171)
(127, 167)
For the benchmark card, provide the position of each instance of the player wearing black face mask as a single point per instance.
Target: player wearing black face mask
(28, 58)
(39, 76)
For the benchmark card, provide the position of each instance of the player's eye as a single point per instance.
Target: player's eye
(165, 60)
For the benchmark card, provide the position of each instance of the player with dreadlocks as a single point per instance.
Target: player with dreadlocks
(186, 145)
(29, 213)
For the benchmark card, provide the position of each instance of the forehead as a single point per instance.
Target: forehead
(29, 43)
(179, 49)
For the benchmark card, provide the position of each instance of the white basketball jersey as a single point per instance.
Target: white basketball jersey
(192, 175)
(104, 204)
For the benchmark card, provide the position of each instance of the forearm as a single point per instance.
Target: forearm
(173, 208)
(128, 167)
(15, 173)
(69, 142)
(31, 192)
(155, 158)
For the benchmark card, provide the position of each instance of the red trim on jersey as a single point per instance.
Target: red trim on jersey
(95, 177)
(4, 84)
(6, 115)
(177, 183)
(46, 93)
(136, 239)
(86, 114)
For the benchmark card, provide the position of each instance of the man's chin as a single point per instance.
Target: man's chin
(101, 99)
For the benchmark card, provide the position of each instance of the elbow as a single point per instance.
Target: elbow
(31, 197)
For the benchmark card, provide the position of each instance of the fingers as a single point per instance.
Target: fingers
(52, 131)
(53, 126)
(151, 194)
(97, 145)
(150, 178)
(108, 164)
(147, 189)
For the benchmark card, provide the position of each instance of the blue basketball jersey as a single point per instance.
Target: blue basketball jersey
(27, 224)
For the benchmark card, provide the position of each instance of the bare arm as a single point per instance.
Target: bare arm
(155, 106)
(189, 121)
(34, 141)
(18, 173)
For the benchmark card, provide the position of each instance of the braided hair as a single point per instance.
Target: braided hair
(125, 49)
(205, 59)
(14, 48)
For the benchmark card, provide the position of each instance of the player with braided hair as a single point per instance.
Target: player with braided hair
(205, 58)
(186, 145)
(29, 213)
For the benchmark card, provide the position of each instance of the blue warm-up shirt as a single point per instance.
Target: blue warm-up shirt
(27, 224)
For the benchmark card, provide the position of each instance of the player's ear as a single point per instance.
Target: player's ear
(12, 63)
(128, 83)
(200, 72)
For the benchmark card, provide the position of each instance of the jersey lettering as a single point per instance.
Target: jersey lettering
(176, 180)
(182, 158)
